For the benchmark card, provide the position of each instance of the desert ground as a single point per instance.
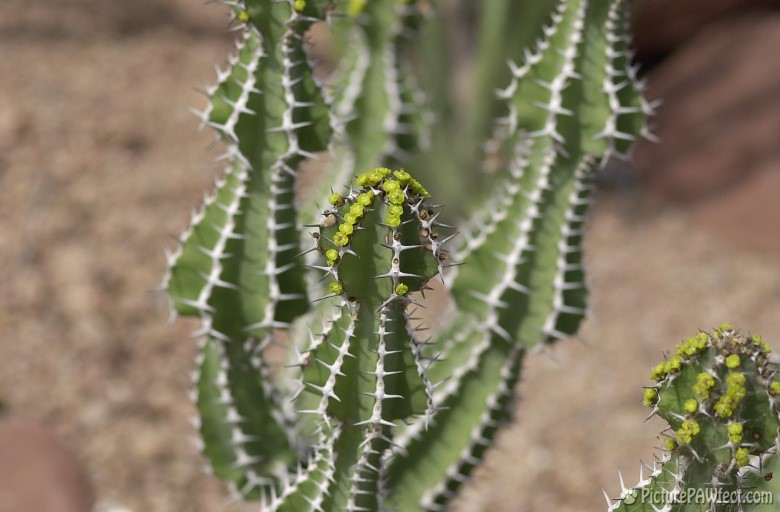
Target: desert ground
(100, 164)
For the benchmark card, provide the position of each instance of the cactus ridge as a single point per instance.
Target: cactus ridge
(718, 393)
(383, 228)
(454, 424)
(498, 412)
(310, 486)
(512, 246)
(236, 252)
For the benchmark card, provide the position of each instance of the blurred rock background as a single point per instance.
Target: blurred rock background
(99, 165)
(715, 66)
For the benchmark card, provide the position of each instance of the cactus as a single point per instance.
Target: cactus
(369, 414)
(719, 395)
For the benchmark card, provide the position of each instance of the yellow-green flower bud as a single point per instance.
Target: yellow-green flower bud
(687, 430)
(366, 198)
(363, 179)
(704, 383)
(340, 239)
(402, 176)
(673, 365)
(659, 372)
(651, 397)
(390, 185)
(725, 326)
(332, 254)
(357, 210)
(396, 197)
(375, 177)
(742, 456)
(735, 432)
(735, 379)
(758, 340)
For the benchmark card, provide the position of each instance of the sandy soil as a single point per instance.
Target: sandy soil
(99, 165)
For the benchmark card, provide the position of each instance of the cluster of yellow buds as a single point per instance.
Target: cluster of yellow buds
(661, 370)
(735, 392)
(396, 196)
(704, 383)
(687, 430)
(735, 432)
(405, 179)
(384, 196)
(692, 346)
(352, 217)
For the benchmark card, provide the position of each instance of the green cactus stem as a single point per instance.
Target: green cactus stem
(522, 284)
(376, 107)
(366, 367)
(235, 268)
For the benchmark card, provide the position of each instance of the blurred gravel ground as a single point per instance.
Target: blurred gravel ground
(99, 164)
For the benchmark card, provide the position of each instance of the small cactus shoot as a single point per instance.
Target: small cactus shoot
(718, 394)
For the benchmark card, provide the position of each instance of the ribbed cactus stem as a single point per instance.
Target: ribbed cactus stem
(380, 243)
(719, 395)
(377, 110)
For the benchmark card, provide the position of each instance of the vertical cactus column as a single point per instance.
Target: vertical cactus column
(376, 108)
(380, 243)
(572, 104)
(236, 268)
(719, 395)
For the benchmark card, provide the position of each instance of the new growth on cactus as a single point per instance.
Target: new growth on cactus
(368, 414)
(719, 395)
(366, 368)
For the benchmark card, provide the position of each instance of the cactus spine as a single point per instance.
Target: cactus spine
(369, 415)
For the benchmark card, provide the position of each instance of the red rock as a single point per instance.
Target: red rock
(719, 127)
(663, 25)
(37, 474)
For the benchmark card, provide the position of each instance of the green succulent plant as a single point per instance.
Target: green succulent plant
(719, 395)
(371, 413)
